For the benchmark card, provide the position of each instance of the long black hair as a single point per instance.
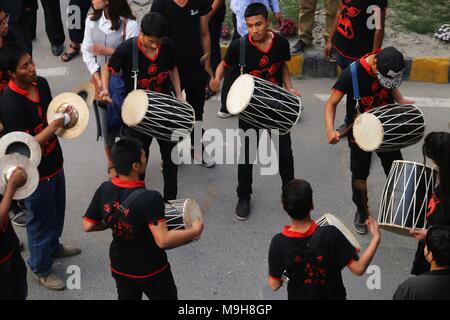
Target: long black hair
(437, 148)
(115, 10)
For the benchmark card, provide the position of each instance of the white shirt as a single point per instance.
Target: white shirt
(92, 61)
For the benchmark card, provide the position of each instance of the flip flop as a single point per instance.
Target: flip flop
(66, 56)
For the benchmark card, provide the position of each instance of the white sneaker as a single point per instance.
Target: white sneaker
(224, 115)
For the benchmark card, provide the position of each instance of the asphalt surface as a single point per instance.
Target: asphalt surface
(230, 260)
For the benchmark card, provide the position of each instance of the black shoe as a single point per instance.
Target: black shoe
(57, 50)
(298, 48)
(360, 222)
(243, 209)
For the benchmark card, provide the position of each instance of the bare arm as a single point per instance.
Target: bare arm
(16, 180)
(48, 133)
(205, 38)
(359, 267)
(274, 284)
(287, 83)
(105, 76)
(215, 83)
(330, 114)
(215, 7)
(168, 239)
(92, 227)
(379, 32)
(176, 83)
(329, 44)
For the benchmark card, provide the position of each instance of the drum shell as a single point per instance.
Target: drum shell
(270, 106)
(405, 197)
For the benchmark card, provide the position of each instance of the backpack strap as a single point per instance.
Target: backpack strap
(242, 54)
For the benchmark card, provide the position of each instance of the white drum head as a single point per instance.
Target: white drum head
(62, 100)
(135, 107)
(240, 94)
(191, 212)
(11, 144)
(333, 221)
(7, 164)
(368, 132)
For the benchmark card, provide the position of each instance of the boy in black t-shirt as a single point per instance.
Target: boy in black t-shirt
(23, 107)
(157, 72)
(313, 256)
(378, 73)
(266, 53)
(189, 30)
(435, 284)
(13, 272)
(136, 216)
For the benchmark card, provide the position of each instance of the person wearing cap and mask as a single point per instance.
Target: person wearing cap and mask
(379, 74)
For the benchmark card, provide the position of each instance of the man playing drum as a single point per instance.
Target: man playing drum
(377, 75)
(136, 216)
(23, 107)
(156, 64)
(314, 256)
(266, 53)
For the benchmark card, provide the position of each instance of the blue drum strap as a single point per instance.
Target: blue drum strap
(356, 94)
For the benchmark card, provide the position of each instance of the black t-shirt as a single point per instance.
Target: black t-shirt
(153, 73)
(19, 113)
(372, 93)
(356, 27)
(314, 275)
(133, 251)
(184, 30)
(435, 215)
(266, 65)
(433, 285)
(8, 241)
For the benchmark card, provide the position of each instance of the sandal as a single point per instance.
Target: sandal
(67, 56)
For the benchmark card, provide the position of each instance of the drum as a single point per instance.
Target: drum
(263, 104)
(389, 128)
(180, 214)
(158, 115)
(405, 197)
(330, 220)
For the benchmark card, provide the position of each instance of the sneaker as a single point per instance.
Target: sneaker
(208, 161)
(360, 222)
(52, 281)
(243, 209)
(66, 251)
(298, 48)
(19, 219)
(224, 115)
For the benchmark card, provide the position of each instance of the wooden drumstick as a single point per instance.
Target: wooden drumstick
(345, 131)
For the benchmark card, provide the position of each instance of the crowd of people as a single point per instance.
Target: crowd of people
(176, 48)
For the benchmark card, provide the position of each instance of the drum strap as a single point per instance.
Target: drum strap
(129, 200)
(135, 61)
(355, 83)
(242, 54)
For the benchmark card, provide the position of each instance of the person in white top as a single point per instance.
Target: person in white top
(111, 23)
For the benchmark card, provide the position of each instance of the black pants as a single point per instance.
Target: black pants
(360, 167)
(231, 74)
(170, 169)
(215, 29)
(245, 171)
(13, 278)
(77, 34)
(53, 22)
(158, 287)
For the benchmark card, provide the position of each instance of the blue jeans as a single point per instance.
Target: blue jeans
(45, 223)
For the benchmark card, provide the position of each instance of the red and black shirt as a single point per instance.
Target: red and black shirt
(355, 30)
(153, 72)
(133, 252)
(9, 243)
(313, 274)
(267, 64)
(19, 113)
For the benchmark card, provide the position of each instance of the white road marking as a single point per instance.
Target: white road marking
(425, 102)
(53, 72)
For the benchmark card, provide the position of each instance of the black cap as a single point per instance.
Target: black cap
(390, 65)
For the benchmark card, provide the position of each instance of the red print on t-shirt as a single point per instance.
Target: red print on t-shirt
(345, 26)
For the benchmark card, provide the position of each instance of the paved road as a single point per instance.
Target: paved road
(230, 261)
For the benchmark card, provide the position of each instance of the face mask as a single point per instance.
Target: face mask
(389, 83)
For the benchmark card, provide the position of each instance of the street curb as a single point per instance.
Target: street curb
(314, 64)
